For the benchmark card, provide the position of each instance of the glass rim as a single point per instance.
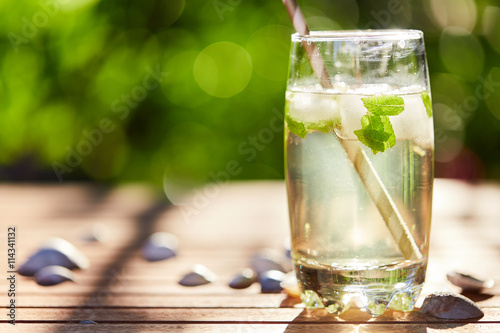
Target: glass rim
(359, 35)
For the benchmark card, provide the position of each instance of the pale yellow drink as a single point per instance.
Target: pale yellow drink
(341, 246)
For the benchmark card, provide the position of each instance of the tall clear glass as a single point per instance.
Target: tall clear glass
(359, 167)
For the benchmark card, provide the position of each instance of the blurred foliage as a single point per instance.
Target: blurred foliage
(184, 92)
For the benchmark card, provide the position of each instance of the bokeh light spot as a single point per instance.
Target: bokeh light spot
(223, 69)
(447, 118)
(449, 149)
(491, 26)
(453, 13)
(461, 53)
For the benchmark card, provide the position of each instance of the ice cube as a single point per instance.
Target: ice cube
(312, 108)
(413, 122)
(351, 110)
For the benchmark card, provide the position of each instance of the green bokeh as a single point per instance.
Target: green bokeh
(461, 53)
(188, 86)
(223, 69)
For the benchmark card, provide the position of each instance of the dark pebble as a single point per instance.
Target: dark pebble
(448, 305)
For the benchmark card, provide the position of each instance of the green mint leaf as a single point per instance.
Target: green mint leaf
(427, 103)
(389, 130)
(296, 127)
(373, 122)
(384, 105)
(377, 133)
(375, 145)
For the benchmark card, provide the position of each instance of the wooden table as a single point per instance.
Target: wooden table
(221, 229)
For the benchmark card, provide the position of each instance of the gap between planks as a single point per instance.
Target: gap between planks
(227, 315)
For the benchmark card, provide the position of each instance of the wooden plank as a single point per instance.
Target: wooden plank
(226, 315)
(233, 300)
(236, 299)
(116, 287)
(169, 287)
(228, 263)
(231, 328)
(101, 255)
(254, 328)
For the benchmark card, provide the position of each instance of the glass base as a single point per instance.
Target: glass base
(377, 288)
(374, 303)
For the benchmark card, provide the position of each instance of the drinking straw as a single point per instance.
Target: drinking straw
(367, 173)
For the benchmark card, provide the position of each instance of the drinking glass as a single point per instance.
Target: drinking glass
(359, 157)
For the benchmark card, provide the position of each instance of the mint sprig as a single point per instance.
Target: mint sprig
(427, 103)
(377, 132)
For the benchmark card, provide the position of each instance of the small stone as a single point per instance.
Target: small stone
(270, 260)
(469, 283)
(405, 300)
(449, 305)
(97, 233)
(336, 307)
(243, 280)
(199, 275)
(270, 281)
(54, 252)
(88, 322)
(311, 300)
(376, 307)
(160, 246)
(53, 275)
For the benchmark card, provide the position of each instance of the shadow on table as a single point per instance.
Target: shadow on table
(356, 321)
(144, 227)
(477, 297)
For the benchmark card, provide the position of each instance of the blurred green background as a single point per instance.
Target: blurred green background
(176, 91)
